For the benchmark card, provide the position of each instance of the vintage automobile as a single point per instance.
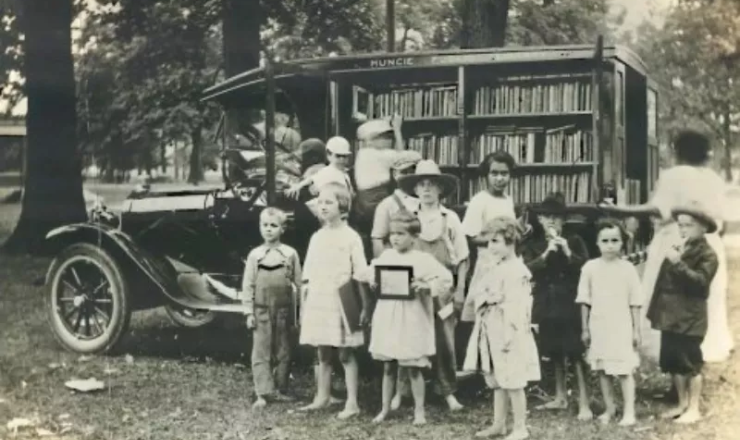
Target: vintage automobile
(178, 248)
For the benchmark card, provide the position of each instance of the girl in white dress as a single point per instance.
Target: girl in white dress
(609, 292)
(334, 258)
(403, 330)
(502, 344)
(486, 205)
(690, 179)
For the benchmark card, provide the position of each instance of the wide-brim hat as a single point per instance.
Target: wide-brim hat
(554, 204)
(428, 169)
(694, 209)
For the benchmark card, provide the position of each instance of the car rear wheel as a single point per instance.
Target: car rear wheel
(87, 299)
(189, 318)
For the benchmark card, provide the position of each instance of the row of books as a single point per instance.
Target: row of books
(559, 146)
(533, 188)
(440, 101)
(566, 147)
(572, 96)
(441, 149)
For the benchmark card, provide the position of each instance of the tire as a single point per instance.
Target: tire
(189, 318)
(96, 315)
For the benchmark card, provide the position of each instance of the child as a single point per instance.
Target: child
(443, 237)
(502, 340)
(334, 258)
(555, 260)
(338, 153)
(271, 276)
(678, 308)
(609, 294)
(403, 331)
(404, 164)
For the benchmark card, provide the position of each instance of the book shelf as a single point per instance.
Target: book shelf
(577, 119)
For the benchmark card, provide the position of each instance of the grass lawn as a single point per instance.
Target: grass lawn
(170, 383)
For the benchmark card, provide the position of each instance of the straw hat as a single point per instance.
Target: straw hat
(694, 209)
(428, 169)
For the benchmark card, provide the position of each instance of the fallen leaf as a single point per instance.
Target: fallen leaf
(129, 359)
(110, 371)
(54, 366)
(2, 401)
(84, 358)
(24, 384)
(41, 432)
(63, 416)
(86, 385)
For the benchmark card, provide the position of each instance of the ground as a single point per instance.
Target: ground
(168, 383)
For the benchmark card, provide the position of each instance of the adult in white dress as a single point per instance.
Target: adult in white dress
(689, 180)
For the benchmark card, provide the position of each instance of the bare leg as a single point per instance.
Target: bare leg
(418, 389)
(692, 413)
(681, 383)
(389, 382)
(628, 394)
(351, 377)
(323, 381)
(584, 409)
(259, 403)
(519, 408)
(500, 411)
(608, 392)
(401, 380)
(561, 398)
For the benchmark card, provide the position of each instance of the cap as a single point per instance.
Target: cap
(373, 128)
(405, 159)
(338, 145)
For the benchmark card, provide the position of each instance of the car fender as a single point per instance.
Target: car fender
(154, 269)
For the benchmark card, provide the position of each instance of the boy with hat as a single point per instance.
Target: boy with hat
(442, 236)
(555, 260)
(400, 200)
(380, 141)
(338, 153)
(678, 307)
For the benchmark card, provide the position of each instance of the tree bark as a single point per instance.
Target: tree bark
(727, 138)
(242, 45)
(52, 193)
(196, 157)
(484, 23)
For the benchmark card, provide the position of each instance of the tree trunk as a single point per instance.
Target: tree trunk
(240, 23)
(727, 138)
(52, 193)
(196, 157)
(484, 23)
(163, 156)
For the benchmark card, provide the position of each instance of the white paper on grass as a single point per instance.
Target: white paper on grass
(85, 385)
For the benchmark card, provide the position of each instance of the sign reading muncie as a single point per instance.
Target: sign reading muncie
(392, 62)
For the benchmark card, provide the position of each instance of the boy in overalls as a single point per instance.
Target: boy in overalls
(443, 237)
(271, 277)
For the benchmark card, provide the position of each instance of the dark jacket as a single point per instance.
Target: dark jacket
(679, 302)
(555, 278)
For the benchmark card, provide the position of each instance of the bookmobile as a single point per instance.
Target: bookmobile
(581, 120)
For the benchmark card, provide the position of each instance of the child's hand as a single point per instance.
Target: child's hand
(637, 338)
(673, 255)
(364, 318)
(563, 244)
(293, 192)
(552, 246)
(586, 338)
(418, 285)
(251, 324)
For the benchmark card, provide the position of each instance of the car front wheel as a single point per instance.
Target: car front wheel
(189, 318)
(87, 299)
